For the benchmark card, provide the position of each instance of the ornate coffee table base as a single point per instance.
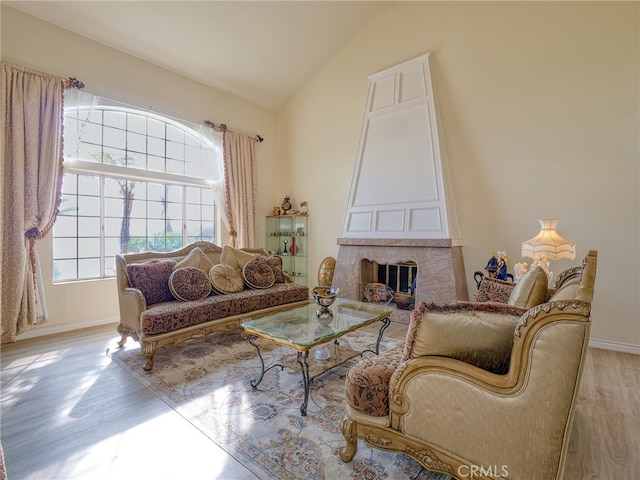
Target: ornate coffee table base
(338, 357)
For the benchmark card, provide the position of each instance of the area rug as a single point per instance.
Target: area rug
(207, 382)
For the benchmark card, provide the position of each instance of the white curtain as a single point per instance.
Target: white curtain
(217, 186)
(239, 151)
(31, 173)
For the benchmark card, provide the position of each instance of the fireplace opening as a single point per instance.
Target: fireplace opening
(400, 277)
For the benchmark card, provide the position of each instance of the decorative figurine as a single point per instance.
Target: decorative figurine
(276, 211)
(285, 248)
(497, 265)
(303, 208)
(501, 274)
(286, 205)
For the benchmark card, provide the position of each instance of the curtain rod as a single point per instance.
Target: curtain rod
(221, 127)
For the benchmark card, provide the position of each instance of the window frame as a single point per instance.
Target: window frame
(98, 168)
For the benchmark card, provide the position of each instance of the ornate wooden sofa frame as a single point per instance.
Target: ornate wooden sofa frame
(197, 318)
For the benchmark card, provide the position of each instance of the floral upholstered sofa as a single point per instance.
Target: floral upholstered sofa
(170, 297)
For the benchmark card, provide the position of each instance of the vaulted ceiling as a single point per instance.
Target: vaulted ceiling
(261, 51)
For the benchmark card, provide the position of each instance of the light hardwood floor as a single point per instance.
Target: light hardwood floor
(68, 412)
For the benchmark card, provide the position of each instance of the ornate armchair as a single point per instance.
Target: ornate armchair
(481, 390)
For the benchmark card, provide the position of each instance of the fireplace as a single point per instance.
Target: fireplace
(439, 268)
(400, 208)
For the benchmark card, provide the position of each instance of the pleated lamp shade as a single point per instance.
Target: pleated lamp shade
(548, 243)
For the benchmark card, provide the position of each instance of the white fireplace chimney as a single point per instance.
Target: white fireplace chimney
(400, 186)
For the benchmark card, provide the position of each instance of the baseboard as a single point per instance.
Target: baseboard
(615, 346)
(46, 330)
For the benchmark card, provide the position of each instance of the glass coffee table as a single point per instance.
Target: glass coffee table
(301, 329)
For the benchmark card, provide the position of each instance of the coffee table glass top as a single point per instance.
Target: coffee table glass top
(301, 329)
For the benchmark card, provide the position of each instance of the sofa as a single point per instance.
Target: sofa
(166, 298)
(481, 389)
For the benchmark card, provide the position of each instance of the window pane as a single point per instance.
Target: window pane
(115, 119)
(137, 123)
(69, 205)
(155, 146)
(88, 185)
(155, 128)
(89, 268)
(139, 209)
(65, 226)
(65, 248)
(155, 209)
(155, 164)
(193, 212)
(175, 166)
(174, 211)
(109, 266)
(91, 132)
(90, 152)
(111, 246)
(88, 206)
(174, 193)
(113, 137)
(65, 270)
(138, 227)
(88, 247)
(194, 194)
(69, 183)
(175, 150)
(89, 227)
(136, 142)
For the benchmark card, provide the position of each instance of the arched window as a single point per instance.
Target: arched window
(134, 181)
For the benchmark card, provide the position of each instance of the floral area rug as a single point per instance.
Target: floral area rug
(207, 382)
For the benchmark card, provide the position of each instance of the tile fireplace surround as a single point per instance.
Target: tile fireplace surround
(441, 275)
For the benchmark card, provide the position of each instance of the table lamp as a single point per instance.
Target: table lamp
(545, 246)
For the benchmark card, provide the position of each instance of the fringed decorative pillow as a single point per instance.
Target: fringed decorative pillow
(477, 333)
(275, 261)
(152, 279)
(494, 290)
(225, 279)
(258, 273)
(189, 283)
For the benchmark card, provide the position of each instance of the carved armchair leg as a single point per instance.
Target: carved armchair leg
(123, 340)
(348, 428)
(149, 363)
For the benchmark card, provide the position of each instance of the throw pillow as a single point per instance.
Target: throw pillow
(258, 273)
(152, 279)
(464, 331)
(189, 283)
(494, 290)
(531, 290)
(275, 261)
(196, 258)
(235, 257)
(567, 291)
(225, 279)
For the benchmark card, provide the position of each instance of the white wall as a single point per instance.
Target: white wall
(539, 107)
(32, 43)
